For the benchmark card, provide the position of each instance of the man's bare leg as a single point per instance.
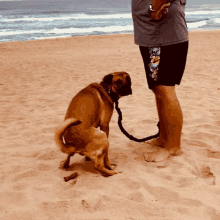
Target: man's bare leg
(171, 121)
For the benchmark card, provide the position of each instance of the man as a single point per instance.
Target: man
(160, 31)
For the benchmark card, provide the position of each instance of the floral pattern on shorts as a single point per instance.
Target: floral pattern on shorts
(155, 61)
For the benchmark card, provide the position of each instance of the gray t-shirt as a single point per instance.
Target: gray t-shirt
(169, 30)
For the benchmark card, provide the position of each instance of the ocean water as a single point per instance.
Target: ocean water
(34, 19)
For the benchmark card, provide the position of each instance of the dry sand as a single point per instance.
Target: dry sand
(38, 80)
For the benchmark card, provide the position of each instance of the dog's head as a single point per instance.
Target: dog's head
(118, 83)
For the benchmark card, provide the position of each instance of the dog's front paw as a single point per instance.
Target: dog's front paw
(119, 171)
(110, 173)
(111, 166)
(108, 165)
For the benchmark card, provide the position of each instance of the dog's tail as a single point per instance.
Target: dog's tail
(65, 148)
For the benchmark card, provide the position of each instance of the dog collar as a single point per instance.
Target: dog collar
(109, 90)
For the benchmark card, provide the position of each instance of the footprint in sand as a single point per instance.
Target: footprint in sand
(213, 154)
(50, 155)
(95, 202)
(25, 175)
(207, 175)
(91, 204)
(85, 204)
(159, 157)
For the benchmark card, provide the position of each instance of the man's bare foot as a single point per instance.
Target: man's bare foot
(161, 154)
(156, 142)
(175, 151)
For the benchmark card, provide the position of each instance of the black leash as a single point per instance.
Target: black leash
(127, 134)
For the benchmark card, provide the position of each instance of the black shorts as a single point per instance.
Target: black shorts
(164, 65)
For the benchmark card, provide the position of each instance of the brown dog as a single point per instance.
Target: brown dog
(89, 110)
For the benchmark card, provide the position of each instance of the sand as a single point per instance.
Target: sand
(39, 79)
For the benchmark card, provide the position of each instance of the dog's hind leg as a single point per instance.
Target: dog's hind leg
(99, 165)
(96, 149)
(102, 161)
(106, 160)
(66, 163)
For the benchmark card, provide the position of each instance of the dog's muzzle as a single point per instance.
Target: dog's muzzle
(125, 90)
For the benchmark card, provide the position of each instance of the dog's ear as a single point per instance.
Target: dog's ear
(108, 79)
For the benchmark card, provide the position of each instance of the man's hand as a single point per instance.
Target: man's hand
(161, 12)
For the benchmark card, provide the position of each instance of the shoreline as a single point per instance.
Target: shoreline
(104, 35)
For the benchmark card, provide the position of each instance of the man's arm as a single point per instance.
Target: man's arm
(159, 8)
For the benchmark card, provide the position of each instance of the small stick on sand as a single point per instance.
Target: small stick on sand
(72, 176)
